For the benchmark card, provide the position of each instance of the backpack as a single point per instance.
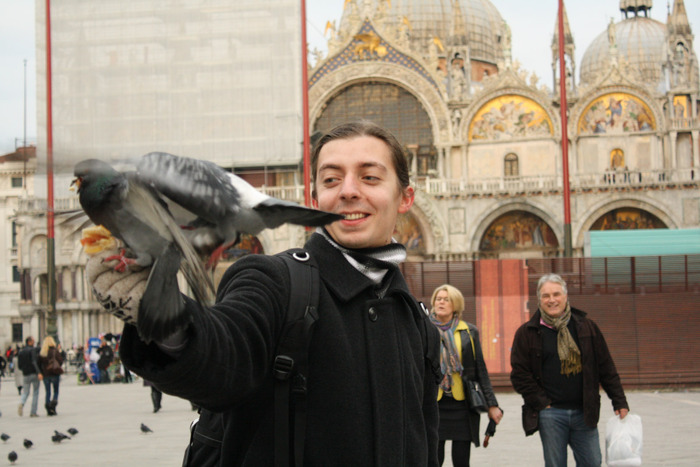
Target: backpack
(290, 369)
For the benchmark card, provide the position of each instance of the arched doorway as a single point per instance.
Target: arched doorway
(628, 219)
(518, 234)
(390, 107)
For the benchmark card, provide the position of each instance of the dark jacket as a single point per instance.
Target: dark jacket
(27, 360)
(372, 396)
(598, 370)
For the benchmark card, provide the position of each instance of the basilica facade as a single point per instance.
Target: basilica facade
(484, 136)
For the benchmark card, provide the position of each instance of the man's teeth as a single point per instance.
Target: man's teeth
(354, 216)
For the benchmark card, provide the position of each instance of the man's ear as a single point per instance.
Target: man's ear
(314, 203)
(407, 198)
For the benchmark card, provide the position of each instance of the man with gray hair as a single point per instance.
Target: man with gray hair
(559, 361)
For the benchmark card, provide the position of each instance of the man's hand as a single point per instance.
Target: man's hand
(118, 292)
(622, 413)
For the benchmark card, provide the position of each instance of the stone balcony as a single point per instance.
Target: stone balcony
(459, 188)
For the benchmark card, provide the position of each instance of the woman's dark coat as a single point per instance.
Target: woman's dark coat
(598, 369)
(372, 394)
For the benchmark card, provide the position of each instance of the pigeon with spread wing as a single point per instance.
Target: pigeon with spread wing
(169, 210)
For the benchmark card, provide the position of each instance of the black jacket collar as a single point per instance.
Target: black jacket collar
(341, 278)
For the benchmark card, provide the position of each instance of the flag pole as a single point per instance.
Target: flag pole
(564, 136)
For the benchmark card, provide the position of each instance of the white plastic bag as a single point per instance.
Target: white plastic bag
(623, 441)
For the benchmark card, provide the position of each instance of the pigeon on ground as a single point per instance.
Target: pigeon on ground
(72, 431)
(133, 213)
(28, 443)
(216, 206)
(58, 436)
(145, 429)
(12, 457)
(4, 437)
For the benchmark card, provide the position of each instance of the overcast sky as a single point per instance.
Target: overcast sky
(531, 22)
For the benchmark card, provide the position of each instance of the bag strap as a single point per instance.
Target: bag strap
(291, 365)
(471, 339)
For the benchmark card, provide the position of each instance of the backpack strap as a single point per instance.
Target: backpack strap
(291, 365)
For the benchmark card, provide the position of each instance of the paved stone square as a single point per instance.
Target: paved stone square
(109, 417)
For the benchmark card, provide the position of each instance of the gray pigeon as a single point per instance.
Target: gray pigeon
(133, 213)
(12, 457)
(216, 206)
(27, 443)
(4, 437)
(145, 429)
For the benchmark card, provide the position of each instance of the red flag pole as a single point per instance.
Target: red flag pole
(305, 108)
(51, 329)
(564, 136)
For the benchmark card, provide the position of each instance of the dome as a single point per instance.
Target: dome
(479, 20)
(641, 46)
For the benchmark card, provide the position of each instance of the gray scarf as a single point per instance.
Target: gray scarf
(568, 351)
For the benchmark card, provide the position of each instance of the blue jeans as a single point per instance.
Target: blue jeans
(50, 381)
(562, 427)
(30, 380)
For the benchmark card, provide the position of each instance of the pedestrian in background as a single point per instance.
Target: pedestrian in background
(559, 361)
(28, 364)
(461, 360)
(51, 364)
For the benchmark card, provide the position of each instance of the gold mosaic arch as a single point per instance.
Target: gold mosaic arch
(510, 116)
(616, 112)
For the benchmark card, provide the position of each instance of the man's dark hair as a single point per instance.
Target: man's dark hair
(363, 128)
(30, 338)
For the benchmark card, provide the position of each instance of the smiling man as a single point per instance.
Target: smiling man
(374, 364)
(559, 361)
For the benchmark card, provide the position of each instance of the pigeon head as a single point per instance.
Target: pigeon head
(93, 172)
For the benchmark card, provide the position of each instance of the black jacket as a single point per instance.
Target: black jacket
(27, 360)
(372, 396)
(474, 369)
(598, 369)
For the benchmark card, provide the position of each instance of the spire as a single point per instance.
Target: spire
(678, 20)
(636, 6)
(569, 48)
(568, 38)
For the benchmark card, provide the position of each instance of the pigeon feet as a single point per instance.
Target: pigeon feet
(123, 261)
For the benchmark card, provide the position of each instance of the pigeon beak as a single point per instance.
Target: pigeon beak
(75, 184)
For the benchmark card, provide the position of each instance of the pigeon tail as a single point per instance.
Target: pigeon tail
(275, 212)
(162, 309)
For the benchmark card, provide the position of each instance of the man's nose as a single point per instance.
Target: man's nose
(349, 188)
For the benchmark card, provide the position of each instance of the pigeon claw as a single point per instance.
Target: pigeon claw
(123, 261)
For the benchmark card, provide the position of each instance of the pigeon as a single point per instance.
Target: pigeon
(12, 457)
(73, 431)
(4, 437)
(145, 429)
(133, 213)
(58, 436)
(28, 443)
(216, 206)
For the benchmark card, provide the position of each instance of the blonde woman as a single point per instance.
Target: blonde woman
(461, 359)
(50, 363)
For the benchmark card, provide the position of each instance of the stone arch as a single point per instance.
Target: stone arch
(429, 97)
(484, 222)
(431, 222)
(638, 202)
